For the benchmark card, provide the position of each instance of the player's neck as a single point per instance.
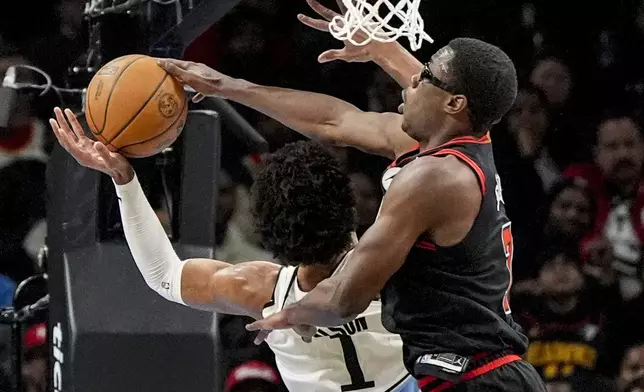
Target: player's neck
(308, 276)
(442, 136)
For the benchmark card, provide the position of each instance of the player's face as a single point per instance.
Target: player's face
(620, 151)
(425, 98)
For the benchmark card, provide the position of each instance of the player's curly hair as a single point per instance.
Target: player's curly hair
(303, 204)
(487, 77)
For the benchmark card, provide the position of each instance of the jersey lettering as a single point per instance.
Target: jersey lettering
(348, 329)
(508, 248)
(353, 366)
(498, 193)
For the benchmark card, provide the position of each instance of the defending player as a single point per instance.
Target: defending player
(440, 252)
(304, 210)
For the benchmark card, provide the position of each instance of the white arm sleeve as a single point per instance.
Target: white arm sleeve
(149, 243)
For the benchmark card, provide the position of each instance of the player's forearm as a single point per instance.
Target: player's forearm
(323, 306)
(148, 242)
(314, 115)
(398, 62)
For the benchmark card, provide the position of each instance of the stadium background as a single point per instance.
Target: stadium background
(581, 69)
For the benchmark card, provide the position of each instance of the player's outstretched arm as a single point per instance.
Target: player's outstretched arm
(392, 57)
(317, 116)
(432, 195)
(205, 284)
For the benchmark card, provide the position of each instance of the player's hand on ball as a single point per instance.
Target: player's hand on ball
(202, 78)
(279, 321)
(350, 52)
(87, 152)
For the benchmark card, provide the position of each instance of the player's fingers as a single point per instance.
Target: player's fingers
(76, 127)
(321, 10)
(341, 6)
(165, 62)
(198, 97)
(306, 332)
(63, 126)
(54, 126)
(102, 152)
(69, 144)
(261, 336)
(331, 55)
(258, 325)
(317, 24)
(65, 139)
(275, 321)
(173, 69)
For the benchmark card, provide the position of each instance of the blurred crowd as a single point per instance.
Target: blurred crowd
(570, 154)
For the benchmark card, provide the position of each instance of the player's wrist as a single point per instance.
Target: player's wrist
(123, 176)
(234, 88)
(382, 53)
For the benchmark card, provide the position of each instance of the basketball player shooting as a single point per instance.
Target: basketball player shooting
(440, 251)
(303, 206)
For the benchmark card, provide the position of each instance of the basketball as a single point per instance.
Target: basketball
(135, 107)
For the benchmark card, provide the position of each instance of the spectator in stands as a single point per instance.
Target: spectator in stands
(553, 77)
(563, 315)
(568, 117)
(562, 223)
(631, 374)
(253, 376)
(616, 181)
(523, 159)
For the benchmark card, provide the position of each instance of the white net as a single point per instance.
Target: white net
(381, 21)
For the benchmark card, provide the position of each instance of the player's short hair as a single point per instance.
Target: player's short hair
(487, 77)
(303, 204)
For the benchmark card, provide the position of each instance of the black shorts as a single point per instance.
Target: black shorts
(517, 375)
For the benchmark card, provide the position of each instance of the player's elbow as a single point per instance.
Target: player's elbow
(336, 129)
(330, 133)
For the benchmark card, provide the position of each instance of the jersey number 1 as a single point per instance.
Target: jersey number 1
(508, 248)
(353, 365)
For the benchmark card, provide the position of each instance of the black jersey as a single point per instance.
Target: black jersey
(455, 299)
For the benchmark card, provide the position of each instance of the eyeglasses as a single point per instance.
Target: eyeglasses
(426, 74)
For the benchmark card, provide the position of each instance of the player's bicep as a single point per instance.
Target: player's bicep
(218, 286)
(376, 133)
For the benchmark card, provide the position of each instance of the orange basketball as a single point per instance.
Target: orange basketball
(135, 107)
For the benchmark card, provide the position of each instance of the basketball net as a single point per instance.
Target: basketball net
(364, 17)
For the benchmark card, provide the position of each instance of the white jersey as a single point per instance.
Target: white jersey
(359, 356)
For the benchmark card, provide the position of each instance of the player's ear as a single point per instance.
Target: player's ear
(456, 104)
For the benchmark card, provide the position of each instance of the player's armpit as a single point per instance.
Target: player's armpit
(437, 196)
(376, 133)
(241, 289)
